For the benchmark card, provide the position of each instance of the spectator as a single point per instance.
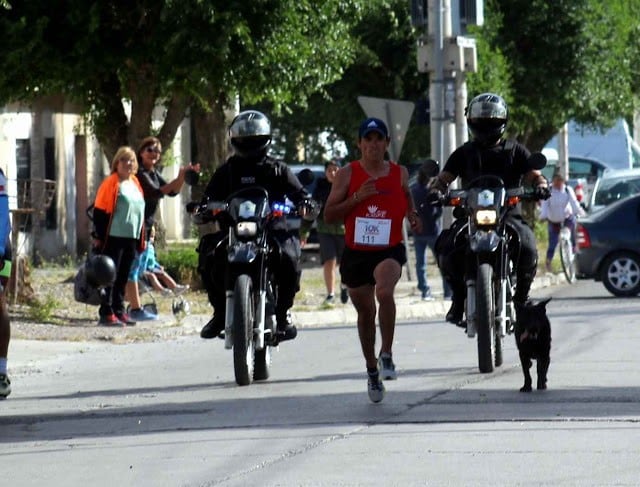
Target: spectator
(330, 235)
(118, 217)
(372, 197)
(154, 188)
(5, 273)
(561, 207)
(431, 218)
(155, 274)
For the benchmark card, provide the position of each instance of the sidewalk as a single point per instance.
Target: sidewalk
(409, 305)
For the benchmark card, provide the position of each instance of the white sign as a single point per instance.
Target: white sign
(395, 113)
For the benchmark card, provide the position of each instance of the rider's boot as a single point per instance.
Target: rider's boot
(523, 285)
(285, 328)
(455, 314)
(215, 326)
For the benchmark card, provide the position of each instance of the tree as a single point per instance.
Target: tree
(178, 54)
(384, 67)
(568, 59)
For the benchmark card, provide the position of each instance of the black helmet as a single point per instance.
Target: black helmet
(250, 133)
(100, 270)
(487, 118)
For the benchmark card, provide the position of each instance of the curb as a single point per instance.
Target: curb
(409, 306)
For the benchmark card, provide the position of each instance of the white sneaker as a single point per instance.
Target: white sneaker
(375, 388)
(5, 386)
(387, 367)
(181, 288)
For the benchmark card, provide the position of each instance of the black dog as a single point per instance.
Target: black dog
(533, 338)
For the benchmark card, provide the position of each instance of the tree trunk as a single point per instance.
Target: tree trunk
(210, 133)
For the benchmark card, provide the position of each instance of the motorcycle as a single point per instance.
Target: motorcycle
(251, 293)
(490, 273)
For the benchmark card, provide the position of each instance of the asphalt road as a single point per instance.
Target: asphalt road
(171, 414)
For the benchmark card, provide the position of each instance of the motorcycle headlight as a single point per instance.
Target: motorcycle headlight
(246, 229)
(486, 217)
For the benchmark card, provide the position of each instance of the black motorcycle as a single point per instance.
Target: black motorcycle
(490, 273)
(251, 294)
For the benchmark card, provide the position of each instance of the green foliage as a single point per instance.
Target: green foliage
(178, 53)
(43, 310)
(181, 262)
(564, 57)
(384, 67)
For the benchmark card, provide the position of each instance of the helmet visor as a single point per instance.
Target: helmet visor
(487, 109)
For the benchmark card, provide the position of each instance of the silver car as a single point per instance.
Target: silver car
(614, 185)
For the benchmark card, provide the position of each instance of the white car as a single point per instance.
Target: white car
(614, 185)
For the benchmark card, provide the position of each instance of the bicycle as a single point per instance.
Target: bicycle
(567, 255)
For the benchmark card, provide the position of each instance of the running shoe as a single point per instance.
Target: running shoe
(387, 367)
(110, 320)
(375, 387)
(125, 318)
(5, 386)
(344, 295)
(142, 315)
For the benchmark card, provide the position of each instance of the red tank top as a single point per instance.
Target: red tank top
(376, 223)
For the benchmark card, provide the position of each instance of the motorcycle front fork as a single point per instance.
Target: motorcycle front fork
(260, 325)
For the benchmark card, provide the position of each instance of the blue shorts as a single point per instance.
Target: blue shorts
(136, 268)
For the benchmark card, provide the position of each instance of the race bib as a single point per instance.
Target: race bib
(372, 231)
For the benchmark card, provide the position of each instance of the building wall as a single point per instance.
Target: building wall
(80, 167)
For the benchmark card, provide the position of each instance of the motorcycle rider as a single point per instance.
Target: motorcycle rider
(249, 165)
(488, 153)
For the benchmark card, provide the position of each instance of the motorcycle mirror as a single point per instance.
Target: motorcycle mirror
(430, 168)
(537, 160)
(306, 177)
(191, 177)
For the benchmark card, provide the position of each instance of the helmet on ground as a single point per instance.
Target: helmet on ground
(250, 133)
(487, 118)
(100, 270)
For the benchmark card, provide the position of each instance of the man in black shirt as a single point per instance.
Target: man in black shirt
(249, 165)
(488, 154)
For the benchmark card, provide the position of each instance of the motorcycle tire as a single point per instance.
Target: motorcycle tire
(243, 318)
(567, 259)
(485, 318)
(262, 363)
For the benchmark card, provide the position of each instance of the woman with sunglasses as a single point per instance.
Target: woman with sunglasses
(154, 187)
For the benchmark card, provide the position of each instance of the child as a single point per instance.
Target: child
(155, 274)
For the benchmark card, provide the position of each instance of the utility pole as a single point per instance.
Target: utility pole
(447, 56)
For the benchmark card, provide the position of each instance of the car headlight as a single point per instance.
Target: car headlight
(246, 229)
(486, 217)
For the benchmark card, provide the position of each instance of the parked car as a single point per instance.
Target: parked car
(609, 247)
(318, 172)
(614, 185)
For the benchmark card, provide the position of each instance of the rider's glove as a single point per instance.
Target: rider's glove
(435, 197)
(542, 193)
(308, 209)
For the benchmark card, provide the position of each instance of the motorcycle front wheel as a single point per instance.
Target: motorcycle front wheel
(243, 318)
(485, 318)
(567, 257)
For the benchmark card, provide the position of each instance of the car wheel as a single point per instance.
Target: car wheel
(621, 274)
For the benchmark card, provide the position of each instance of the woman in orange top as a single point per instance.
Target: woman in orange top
(372, 197)
(118, 217)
